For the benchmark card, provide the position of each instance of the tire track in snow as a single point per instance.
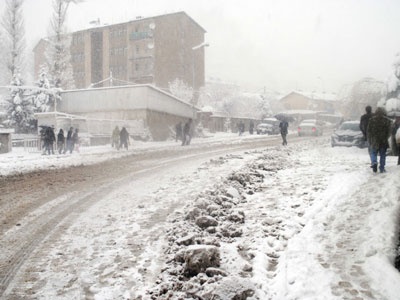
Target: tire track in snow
(58, 217)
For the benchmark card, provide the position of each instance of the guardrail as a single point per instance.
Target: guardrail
(29, 145)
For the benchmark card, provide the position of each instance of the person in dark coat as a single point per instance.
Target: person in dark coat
(283, 125)
(186, 134)
(75, 140)
(124, 138)
(251, 127)
(364, 126)
(69, 142)
(60, 141)
(178, 131)
(241, 128)
(364, 121)
(115, 138)
(49, 139)
(378, 133)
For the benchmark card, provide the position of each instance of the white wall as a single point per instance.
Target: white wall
(123, 98)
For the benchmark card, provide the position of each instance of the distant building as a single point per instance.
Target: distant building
(154, 50)
(310, 101)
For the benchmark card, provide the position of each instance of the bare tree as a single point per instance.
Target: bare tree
(216, 94)
(355, 97)
(58, 52)
(181, 90)
(14, 39)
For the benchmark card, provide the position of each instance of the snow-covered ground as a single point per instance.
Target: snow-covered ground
(305, 221)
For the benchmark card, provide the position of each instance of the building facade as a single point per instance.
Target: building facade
(310, 101)
(155, 50)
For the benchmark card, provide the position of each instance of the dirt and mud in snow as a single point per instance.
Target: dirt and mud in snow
(37, 206)
(196, 223)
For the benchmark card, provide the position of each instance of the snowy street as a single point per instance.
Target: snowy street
(306, 221)
(199, 150)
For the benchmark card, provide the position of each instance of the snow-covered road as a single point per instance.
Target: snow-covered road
(317, 225)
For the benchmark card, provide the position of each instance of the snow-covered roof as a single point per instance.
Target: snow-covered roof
(57, 114)
(298, 112)
(316, 96)
(207, 108)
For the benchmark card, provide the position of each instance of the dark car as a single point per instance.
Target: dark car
(348, 134)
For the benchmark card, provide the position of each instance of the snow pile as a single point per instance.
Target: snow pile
(271, 236)
(217, 219)
(393, 107)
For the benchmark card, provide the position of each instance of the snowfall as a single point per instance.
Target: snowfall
(304, 221)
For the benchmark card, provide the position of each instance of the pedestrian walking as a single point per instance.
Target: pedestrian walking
(75, 140)
(284, 125)
(49, 139)
(178, 131)
(251, 127)
(378, 133)
(186, 134)
(69, 143)
(115, 138)
(364, 127)
(60, 141)
(241, 128)
(124, 138)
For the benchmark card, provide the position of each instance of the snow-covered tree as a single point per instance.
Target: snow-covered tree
(181, 90)
(229, 99)
(14, 39)
(43, 98)
(58, 51)
(19, 107)
(392, 102)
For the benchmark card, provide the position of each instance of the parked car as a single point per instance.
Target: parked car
(264, 128)
(273, 129)
(348, 134)
(310, 127)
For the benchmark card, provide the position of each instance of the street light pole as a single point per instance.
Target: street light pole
(202, 45)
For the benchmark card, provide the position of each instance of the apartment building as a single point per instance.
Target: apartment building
(154, 50)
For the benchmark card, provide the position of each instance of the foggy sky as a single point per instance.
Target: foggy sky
(278, 44)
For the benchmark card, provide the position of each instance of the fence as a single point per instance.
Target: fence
(29, 144)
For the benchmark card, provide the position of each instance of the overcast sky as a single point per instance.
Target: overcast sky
(278, 44)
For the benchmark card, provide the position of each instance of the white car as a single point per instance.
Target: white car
(264, 128)
(310, 127)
